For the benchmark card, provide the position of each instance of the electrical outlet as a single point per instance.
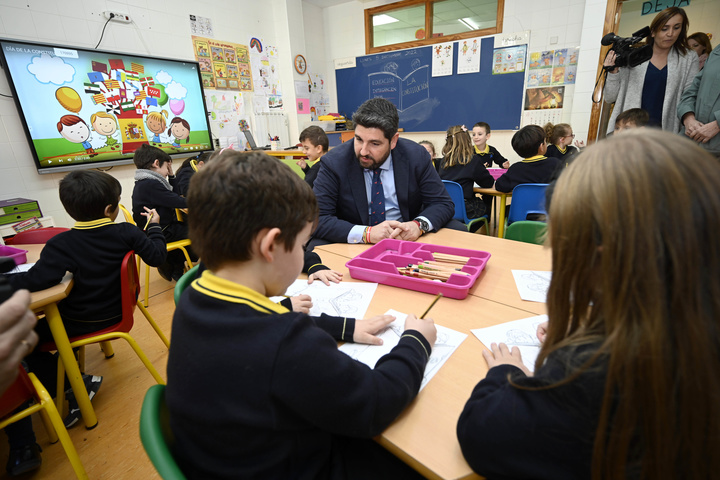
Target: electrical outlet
(117, 16)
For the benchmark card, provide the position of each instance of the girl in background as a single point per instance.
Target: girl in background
(431, 150)
(559, 139)
(700, 42)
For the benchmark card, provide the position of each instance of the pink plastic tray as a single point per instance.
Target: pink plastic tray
(496, 172)
(380, 263)
(17, 254)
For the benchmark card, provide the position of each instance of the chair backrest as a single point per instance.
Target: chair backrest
(126, 213)
(18, 393)
(527, 198)
(155, 434)
(456, 194)
(185, 282)
(35, 236)
(527, 231)
(130, 289)
(194, 165)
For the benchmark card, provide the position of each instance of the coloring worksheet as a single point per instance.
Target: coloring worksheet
(344, 299)
(532, 284)
(447, 341)
(519, 333)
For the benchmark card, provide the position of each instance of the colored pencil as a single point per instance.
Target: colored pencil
(437, 297)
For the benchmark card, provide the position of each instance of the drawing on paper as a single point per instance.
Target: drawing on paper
(536, 282)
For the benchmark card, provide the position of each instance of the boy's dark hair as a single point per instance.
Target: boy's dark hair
(201, 157)
(378, 113)
(86, 193)
(484, 125)
(638, 116)
(526, 141)
(316, 136)
(237, 195)
(147, 154)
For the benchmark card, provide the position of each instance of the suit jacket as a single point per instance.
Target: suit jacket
(342, 199)
(703, 98)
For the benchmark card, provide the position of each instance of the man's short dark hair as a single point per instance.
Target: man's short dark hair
(526, 141)
(147, 154)
(237, 195)
(378, 113)
(637, 116)
(86, 193)
(316, 136)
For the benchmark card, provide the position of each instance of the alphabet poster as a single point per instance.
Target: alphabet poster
(223, 65)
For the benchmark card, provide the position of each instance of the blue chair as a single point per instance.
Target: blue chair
(527, 198)
(527, 231)
(456, 194)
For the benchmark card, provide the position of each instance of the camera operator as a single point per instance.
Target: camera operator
(655, 85)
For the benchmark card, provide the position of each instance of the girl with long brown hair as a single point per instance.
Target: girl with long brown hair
(626, 383)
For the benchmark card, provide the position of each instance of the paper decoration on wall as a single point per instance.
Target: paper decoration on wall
(553, 67)
(223, 65)
(442, 59)
(303, 105)
(201, 26)
(509, 60)
(227, 109)
(266, 77)
(468, 56)
(256, 45)
(544, 98)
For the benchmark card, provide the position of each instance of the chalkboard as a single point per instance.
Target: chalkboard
(428, 103)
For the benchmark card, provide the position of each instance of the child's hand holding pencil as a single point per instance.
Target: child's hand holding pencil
(152, 216)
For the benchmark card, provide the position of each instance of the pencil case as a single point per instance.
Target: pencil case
(380, 264)
(18, 255)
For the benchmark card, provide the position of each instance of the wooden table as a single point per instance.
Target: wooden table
(46, 301)
(424, 434)
(503, 198)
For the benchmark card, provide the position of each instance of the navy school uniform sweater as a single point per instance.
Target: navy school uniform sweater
(467, 175)
(537, 169)
(153, 194)
(565, 155)
(490, 155)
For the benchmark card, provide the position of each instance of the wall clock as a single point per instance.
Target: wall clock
(300, 64)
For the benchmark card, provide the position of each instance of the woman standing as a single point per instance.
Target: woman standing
(700, 42)
(655, 85)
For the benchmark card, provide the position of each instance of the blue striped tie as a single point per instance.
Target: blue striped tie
(377, 200)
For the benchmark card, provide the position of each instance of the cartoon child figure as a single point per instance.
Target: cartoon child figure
(180, 129)
(75, 130)
(105, 124)
(156, 124)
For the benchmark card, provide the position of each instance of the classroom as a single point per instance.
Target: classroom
(328, 35)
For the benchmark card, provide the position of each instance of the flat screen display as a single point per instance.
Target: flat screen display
(85, 108)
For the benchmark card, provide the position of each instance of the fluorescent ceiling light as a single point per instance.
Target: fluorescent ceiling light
(383, 20)
(468, 23)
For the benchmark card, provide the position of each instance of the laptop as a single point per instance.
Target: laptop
(251, 141)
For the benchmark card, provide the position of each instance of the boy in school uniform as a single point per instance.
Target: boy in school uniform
(315, 144)
(632, 118)
(154, 181)
(256, 391)
(93, 251)
(489, 154)
(529, 143)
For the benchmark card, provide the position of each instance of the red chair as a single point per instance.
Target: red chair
(27, 387)
(35, 236)
(130, 288)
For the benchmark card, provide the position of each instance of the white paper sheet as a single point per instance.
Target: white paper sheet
(447, 341)
(518, 333)
(344, 299)
(532, 284)
(21, 268)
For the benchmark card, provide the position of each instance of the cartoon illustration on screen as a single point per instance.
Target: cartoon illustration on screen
(74, 129)
(106, 125)
(156, 123)
(180, 129)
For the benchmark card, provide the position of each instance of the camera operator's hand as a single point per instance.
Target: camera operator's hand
(610, 61)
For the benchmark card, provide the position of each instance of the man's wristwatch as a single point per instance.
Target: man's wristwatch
(422, 225)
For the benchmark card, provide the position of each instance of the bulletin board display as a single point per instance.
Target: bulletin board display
(427, 103)
(223, 65)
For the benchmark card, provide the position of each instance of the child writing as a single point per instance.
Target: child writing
(529, 143)
(632, 118)
(559, 138)
(489, 154)
(461, 165)
(93, 251)
(315, 144)
(626, 384)
(290, 402)
(154, 182)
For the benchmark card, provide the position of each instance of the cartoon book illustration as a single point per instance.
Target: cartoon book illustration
(403, 92)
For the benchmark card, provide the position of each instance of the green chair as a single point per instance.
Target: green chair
(185, 282)
(527, 231)
(155, 434)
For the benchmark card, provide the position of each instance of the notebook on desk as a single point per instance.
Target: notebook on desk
(251, 141)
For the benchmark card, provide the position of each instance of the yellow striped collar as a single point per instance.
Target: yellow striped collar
(561, 150)
(534, 159)
(100, 222)
(213, 286)
(482, 152)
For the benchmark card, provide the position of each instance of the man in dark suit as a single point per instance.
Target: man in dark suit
(379, 186)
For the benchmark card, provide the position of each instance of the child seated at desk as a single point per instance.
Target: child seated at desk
(93, 251)
(488, 153)
(529, 143)
(256, 391)
(315, 144)
(431, 150)
(626, 383)
(559, 139)
(186, 172)
(631, 118)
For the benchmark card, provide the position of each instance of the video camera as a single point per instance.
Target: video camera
(627, 55)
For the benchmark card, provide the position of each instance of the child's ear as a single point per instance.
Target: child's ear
(109, 210)
(488, 136)
(267, 241)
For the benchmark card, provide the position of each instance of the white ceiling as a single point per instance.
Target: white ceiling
(330, 3)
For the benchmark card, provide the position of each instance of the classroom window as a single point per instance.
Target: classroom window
(413, 23)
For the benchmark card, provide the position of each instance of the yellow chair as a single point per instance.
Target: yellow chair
(179, 244)
(25, 387)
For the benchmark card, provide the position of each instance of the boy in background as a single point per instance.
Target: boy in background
(632, 118)
(529, 143)
(489, 154)
(186, 172)
(315, 144)
(291, 404)
(93, 251)
(154, 182)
